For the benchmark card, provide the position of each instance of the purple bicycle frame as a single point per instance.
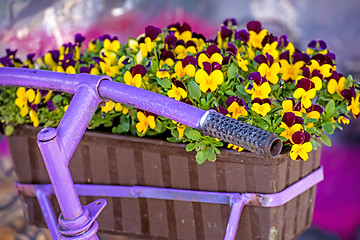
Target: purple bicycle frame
(58, 145)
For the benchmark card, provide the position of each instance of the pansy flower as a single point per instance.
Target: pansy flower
(236, 107)
(234, 51)
(271, 49)
(313, 112)
(323, 63)
(342, 119)
(51, 58)
(23, 97)
(67, 64)
(261, 106)
(178, 90)
(90, 70)
(305, 91)
(224, 34)
(301, 147)
(147, 43)
(212, 54)
(291, 124)
(291, 68)
(181, 32)
(315, 77)
(354, 104)
(268, 68)
(170, 41)
(146, 120)
(29, 62)
(289, 105)
(185, 67)
(107, 65)
(209, 77)
(317, 46)
(183, 49)
(258, 86)
(134, 76)
(234, 147)
(256, 34)
(336, 83)
(167, 57)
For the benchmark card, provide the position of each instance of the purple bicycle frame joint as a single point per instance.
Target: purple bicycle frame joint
(47, 134)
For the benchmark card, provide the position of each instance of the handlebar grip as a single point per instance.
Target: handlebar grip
(241, 134)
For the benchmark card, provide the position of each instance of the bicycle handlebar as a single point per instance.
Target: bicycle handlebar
(208, 122)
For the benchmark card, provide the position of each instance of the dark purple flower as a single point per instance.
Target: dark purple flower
(211, 49)
(6, 61)
(331, 55)
(30, 57)
(232, 49)
(79, 38)
(305, 83)
(189, 60)
(298, 137)
(254, 26)
(207, 67)
(50, 105)
(289, 119)
(126, 61)
(68, 61)
(322, 45)
(11, 53)
(230, 22)
(225, 32)
(170, 40)
(178, 83)
(152, 32)
(299, 56)
(55, 54)
(167, 54)
(283, 41)
(98, 59)
(138, 69)
(84, 69)
(348, 93)
(34, 107)
(222, 110)
(285, 55)
(242, 35)
(299, 120)
(312, 44)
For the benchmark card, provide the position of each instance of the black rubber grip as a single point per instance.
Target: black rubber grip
(241, 134)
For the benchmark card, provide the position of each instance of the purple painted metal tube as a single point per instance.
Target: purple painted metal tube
(53, 155)
(152, 102)
(43, 196)
(234, 218)
(40, 79)
(77, 117)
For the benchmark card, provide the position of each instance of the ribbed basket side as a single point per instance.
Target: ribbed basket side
(120, 160)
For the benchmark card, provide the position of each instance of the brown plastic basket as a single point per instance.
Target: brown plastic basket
(124, 160)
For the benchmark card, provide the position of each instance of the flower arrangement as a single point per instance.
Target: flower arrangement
(248, 74)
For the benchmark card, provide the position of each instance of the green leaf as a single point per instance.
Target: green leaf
(313, 143)
(210, 154)
(311, 130)
(328, 127)
(241, 89)
(231, 71)
(200, 157)
(330, 108)
(337, 125)
(192, 134)
(9, 129)
(325, 140)
(190, 147)
(194, 90)
(164, 83)
(57, 99)
(229, 92)
(310, 120)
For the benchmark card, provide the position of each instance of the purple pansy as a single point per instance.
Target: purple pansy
(242, 35)
(152, 32)
(79, 38)
(189, 60)
(254, 26)
(138, 69)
